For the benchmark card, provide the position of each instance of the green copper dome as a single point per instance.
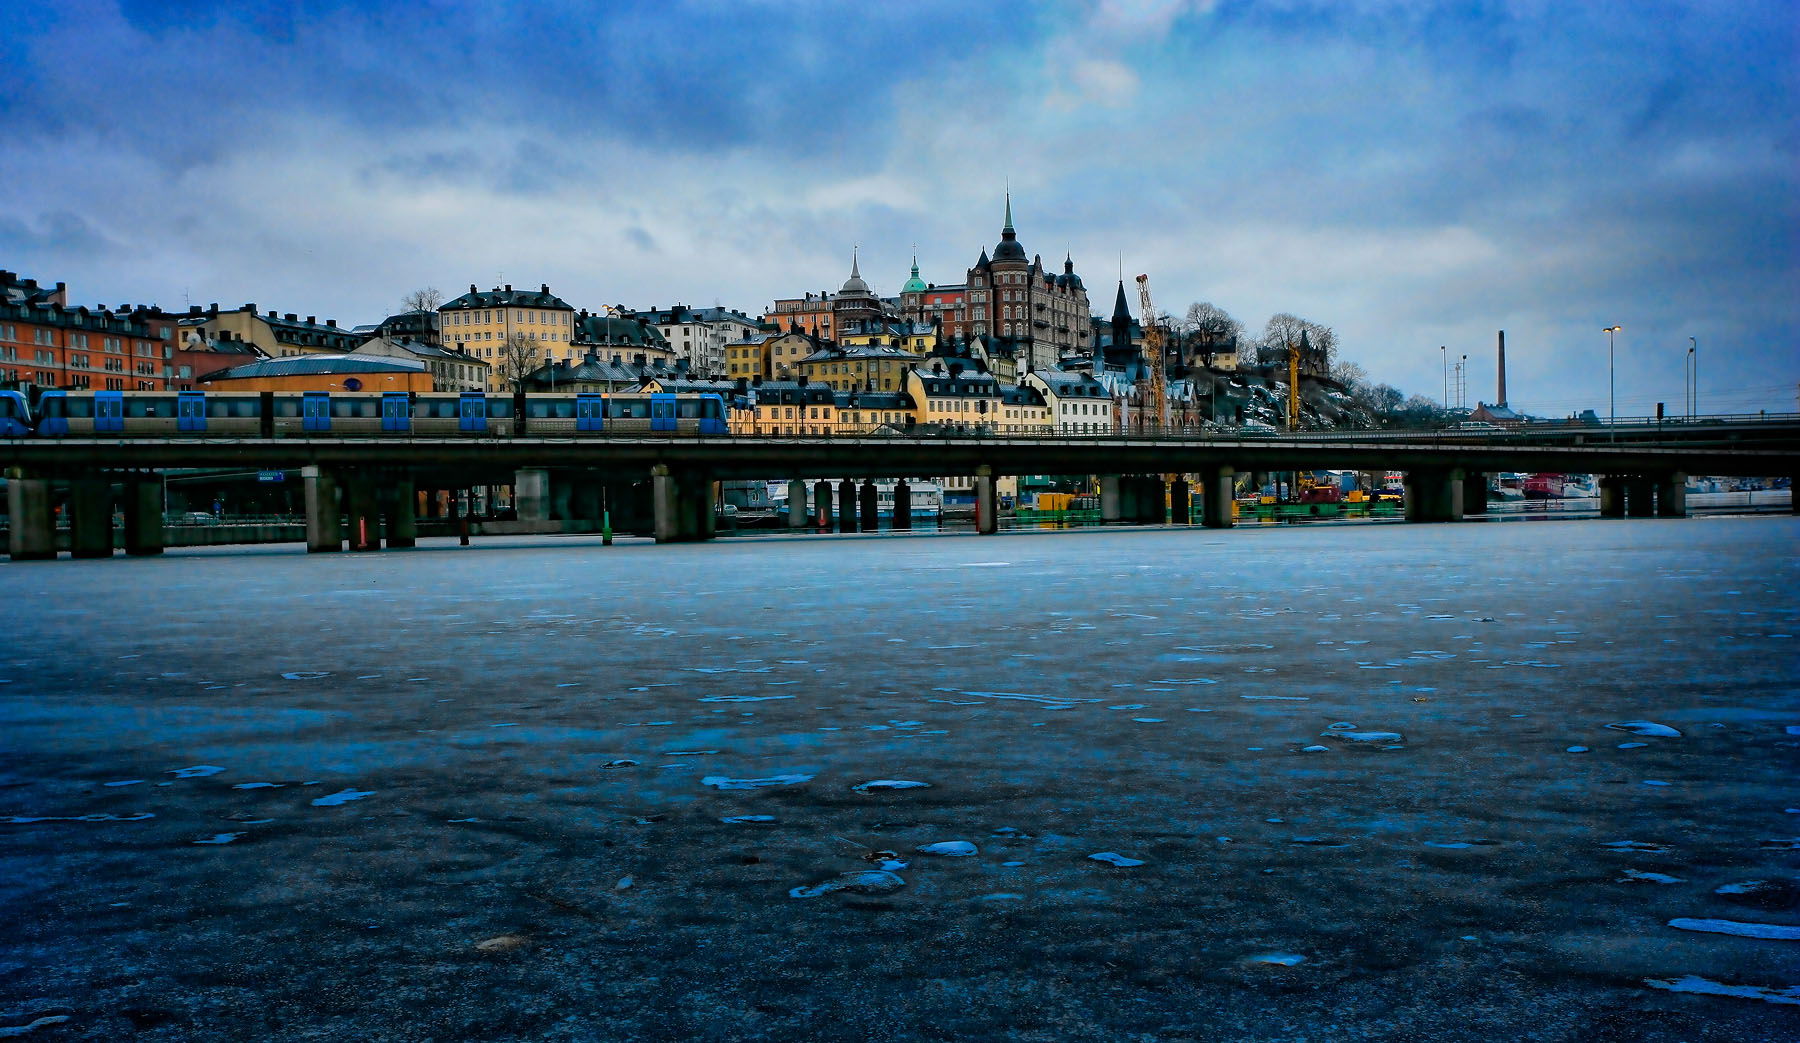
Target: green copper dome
(914, 284)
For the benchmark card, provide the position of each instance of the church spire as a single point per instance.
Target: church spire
(1009, 226)
(854, 274)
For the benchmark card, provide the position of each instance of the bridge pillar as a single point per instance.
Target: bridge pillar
(1110, 496)
(1153, 501)
(987, 496)
(33, 523)
(1794, 494)
(144, 515)
(698, 515)
(1216, 498)
(324, 519)
(531, 494)
(402, 510)
(1612, 496)
(1181, 503)
(1433, 496)
(902, 505)
(1640, 498)
(1474, 492)
(846, 506)
(665, 502)
(796, 503)
(870, 507)
(1671, 498)
(822, 504)
(363, 501)
(90, 518)
(562, 497)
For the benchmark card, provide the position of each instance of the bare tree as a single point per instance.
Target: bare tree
(518, 360)
(1284, 328)
(425, 299)
(1210, 329)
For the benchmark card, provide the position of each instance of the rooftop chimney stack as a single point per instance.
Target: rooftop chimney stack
(1502, 391)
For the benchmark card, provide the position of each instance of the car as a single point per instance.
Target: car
(194, 518)
(1478, 427)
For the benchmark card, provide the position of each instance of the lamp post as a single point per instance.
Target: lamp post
(1694, 378)
(1444, 353)
(1612, 414)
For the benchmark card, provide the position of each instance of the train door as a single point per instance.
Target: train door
(315, 411)
(472, 412)
(590, 411)
(190, 411)
(396, 411)
(662, 412)
(109, 411)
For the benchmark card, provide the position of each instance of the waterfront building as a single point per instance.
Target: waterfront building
(481, 322)
(1014, 297)
(846, 367)
(315, 371)
(1076, 402)
(700, 335)
(275, 334)
(44, 341)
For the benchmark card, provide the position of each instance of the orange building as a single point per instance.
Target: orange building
(44, 341)
(366, 373)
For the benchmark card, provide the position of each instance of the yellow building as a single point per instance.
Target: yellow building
(850, 367)
(276, 335)
(917, 338)
(953, 397)
(771, 357)
(482, 321)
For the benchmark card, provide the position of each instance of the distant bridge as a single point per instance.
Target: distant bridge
(355, 483)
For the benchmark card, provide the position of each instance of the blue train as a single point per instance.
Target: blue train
(271, 414)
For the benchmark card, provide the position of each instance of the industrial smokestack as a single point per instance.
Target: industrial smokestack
(1502, 390)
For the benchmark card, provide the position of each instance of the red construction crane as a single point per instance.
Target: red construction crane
(1153, 354)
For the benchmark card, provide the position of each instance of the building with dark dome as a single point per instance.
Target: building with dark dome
(855, 302)
(1014, 297)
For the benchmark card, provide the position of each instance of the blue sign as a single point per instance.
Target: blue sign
(271, 476)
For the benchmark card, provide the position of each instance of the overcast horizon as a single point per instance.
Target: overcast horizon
(1410, 175)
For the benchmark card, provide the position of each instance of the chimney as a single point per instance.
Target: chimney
(1501, 393)
(311, 320)
(509, 287)
(331, 322)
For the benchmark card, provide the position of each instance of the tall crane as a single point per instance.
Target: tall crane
(1153, 353)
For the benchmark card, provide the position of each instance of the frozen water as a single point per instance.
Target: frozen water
(198, 771)
(310, 675)
(747, 819)
(96, 817)
(1647, 728)
(258, 785)
(1633, 745)
(1577, 749)
(125, 782)
(1777, 932)
(1114, 858)
(742, 698)
(949, 848)
(1706, 987)
(862, 882)
(1315, 749)
(1648, 878)
(344, 796)
(1636, 845)
(11, 1031)
(1148, 720)
(722, 782)
(1364, 737)
(888, 784)
(219, 838)
(1279, 959)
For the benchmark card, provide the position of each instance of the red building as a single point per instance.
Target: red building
(44, 341)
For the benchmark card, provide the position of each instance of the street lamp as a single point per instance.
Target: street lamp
(1694, 378)
(1612, 414)
(1445, 354)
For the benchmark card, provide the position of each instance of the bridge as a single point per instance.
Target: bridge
(366, 488)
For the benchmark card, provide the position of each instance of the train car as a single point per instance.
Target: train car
(664, 413)
(15, 415)
(80, 414)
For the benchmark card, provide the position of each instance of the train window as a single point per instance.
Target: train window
(287, 407)
(628, 408)
(143, 407)
(499, 408)
(689, 408)
(563, 409)
(355, 407)
(441, 408)
(59, 406)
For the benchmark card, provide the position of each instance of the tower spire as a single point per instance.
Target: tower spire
(1009, 226)
(854, 274)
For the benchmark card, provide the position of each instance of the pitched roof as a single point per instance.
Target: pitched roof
(299, 365)
(502, 297)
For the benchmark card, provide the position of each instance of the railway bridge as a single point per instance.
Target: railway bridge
(365, 489)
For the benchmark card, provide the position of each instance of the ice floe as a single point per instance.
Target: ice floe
(722, 782)
(1646, 728)
(747, 819)
(1369, 738)
(888, 784)
(96, 817)
(1640, 876)
(124, 782)
(1279, 959)
(1636, 845)
(742, 698)
(1114, 858)
(198, 771)
(1577, 749)
(343, 796)
(1315, 749)
(1772, 931)
(219, 838)
(949, 849)
(862, 882)
(11, 1031)
(1706, 987)
(258, 785)
(311, 675)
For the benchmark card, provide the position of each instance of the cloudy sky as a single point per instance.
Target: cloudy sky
(1414, 176)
